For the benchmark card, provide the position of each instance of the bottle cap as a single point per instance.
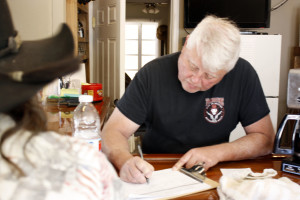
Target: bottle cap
(85, 98)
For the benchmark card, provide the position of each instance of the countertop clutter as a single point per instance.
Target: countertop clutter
(60, 114)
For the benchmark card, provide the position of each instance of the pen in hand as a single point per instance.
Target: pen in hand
(141, 154)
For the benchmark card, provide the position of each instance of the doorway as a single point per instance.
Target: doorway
(148, 24)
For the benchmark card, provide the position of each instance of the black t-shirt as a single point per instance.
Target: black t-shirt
(176, 120)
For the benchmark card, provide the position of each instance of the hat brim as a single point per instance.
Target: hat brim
(41, 62)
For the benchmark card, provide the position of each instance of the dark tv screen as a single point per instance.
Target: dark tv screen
(245, 13)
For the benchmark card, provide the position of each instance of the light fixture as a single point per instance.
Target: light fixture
(84, 1)
(150, 8)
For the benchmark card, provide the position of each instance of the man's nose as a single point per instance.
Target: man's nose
(196, 77)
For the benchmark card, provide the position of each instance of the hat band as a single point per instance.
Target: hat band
(17, 76)
(14, 43)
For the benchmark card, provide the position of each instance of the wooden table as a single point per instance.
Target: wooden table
(60, 116)
(163, 161)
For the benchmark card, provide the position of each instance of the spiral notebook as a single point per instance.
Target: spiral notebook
(166, 184)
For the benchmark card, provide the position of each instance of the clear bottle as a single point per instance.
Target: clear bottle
(87, 121)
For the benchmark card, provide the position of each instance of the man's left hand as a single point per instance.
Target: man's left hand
(201, 155)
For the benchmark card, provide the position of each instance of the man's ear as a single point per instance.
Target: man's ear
(186, 39)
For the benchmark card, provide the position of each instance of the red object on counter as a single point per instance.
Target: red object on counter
(94, 89)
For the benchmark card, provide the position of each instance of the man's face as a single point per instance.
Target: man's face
(193, 76)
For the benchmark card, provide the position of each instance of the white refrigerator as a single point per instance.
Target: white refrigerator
(264, 53)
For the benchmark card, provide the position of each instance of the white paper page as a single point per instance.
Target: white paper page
(164, 184)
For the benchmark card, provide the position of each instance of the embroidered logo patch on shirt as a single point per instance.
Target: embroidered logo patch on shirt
(214, 109)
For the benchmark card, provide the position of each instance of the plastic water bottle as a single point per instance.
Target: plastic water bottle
(87, 121)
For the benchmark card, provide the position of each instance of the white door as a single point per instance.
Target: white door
(108, 25)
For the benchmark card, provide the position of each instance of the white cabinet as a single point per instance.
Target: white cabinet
(264, 53)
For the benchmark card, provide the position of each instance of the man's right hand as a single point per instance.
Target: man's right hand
(135, 170)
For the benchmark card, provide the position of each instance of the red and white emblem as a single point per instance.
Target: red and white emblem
(214, 110)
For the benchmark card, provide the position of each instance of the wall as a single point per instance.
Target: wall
(36, 19)
(284, 21)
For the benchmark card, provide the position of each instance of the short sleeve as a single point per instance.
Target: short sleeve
(254, 105)
(135, 101)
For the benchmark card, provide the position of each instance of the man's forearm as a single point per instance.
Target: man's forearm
(249, 146)
(116, 149)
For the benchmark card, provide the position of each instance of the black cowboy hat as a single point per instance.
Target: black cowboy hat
(27, 66)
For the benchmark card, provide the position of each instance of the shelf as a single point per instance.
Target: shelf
(83, 23)
(85, 39)
(79, 13)
(83, 8)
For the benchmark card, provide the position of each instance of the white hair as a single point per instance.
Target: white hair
(217, 42)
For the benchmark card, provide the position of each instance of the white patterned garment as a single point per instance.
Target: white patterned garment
(61, 167)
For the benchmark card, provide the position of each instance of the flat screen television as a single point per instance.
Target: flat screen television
(245, 13)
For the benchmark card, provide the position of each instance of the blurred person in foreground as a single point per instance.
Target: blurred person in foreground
(190, 102)
(36, 163)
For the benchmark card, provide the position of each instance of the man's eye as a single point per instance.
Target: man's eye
(193, 68)
(207, 76)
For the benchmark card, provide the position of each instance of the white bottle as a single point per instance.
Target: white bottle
(87, 121)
